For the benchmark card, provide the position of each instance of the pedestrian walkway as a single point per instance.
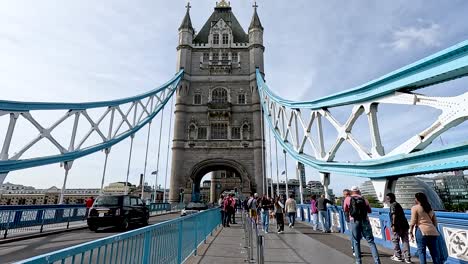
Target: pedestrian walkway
(227, 245)
(298, 245)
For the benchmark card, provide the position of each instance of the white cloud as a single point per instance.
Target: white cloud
(406, 38)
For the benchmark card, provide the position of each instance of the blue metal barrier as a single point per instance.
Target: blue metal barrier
(172, 241)
(28, 219)
(20, 218)
(452, 226)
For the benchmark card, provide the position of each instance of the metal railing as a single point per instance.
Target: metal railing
(452, 226)
(251, 232)
(24, 220)
(168, 242)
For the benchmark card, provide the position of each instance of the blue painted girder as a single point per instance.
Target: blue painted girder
(11, 165)
(14, 106)
(443, 66)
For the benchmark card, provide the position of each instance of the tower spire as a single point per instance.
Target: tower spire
(255, 23)
(187, 22)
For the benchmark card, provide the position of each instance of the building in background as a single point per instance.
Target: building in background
(452, 189)
(16, 194)
(405, 189)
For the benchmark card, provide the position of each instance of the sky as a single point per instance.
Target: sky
(76, 51)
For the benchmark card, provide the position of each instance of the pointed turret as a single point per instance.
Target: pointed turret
(255, 23)
(184, 49)
(256, 47)
(187, 22)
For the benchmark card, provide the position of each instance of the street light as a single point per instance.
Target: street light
(155, 185)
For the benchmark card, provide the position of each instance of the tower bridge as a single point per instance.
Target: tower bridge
(223, 113)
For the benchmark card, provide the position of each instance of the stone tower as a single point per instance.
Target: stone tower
(217, 112)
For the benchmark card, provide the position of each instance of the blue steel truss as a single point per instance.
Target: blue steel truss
(410, 158)
(150, 103)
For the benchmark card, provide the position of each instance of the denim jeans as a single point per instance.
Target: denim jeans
(292, 218)
(265, 219)
(314, 221)
(324, 221)
(223, 215)
(227, 218)
(348, 226)
(360, 229)
(431, 243)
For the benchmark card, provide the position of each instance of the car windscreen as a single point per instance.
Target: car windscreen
(107, 201)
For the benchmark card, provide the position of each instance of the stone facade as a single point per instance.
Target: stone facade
(217, 111)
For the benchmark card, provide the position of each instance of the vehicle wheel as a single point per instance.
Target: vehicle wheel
(92, 228)
(125, 224)
(145, 221)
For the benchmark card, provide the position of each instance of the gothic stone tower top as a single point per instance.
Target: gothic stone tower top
(218, 113)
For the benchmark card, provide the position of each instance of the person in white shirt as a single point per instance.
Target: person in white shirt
(291, 207)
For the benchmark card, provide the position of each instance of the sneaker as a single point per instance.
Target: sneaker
(290, 225)
(394, 258)
(354, 254)
(408, 261)
(279, 232)
(266, 232)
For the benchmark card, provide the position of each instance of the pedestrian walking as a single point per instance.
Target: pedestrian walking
(229, 210)
(347, 193)
(265, 206)
(234, 209)
(314, 211)
(323, 213)
(221, 208)
(291, 207)
(89, 203)
(358, 208)
(425, 221)
(252, 206)
(400, 228)
(279, 215)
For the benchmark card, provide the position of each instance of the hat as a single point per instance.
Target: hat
(355, 189)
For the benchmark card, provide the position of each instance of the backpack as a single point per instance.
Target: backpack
(249, 203)
(358, 208)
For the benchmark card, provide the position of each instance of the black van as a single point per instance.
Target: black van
(117, 210)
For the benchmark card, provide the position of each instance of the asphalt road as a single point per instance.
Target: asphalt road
(27, 248)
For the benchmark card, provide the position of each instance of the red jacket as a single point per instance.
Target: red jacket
(89, 203)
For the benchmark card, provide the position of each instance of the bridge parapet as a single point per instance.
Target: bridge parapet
(168, 242)
(453, 227)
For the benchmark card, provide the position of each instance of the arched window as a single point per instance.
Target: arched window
(219, 95)
(245, 132)
(192, 132)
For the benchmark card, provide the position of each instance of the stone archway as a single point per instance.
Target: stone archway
(211, 165)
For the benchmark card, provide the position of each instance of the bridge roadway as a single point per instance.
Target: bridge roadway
(18, 250)
(298, 245)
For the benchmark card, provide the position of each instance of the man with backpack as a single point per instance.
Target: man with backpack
(357, 208)
(252, 206)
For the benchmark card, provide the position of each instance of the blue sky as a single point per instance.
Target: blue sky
(96, 50)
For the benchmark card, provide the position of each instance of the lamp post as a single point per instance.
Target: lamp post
(155, 185)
